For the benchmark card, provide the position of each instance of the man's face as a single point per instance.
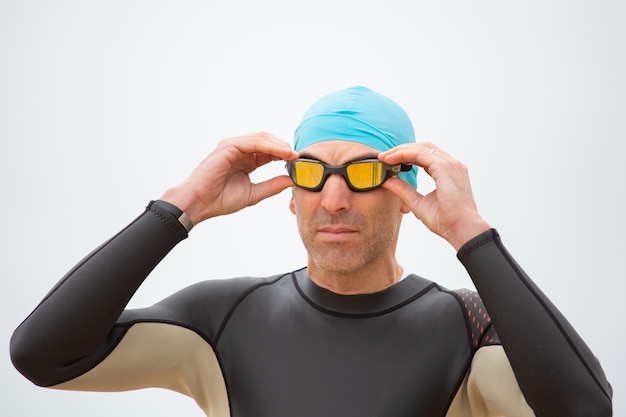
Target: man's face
(342, 230)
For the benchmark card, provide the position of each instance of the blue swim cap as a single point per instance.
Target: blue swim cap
(357, 114)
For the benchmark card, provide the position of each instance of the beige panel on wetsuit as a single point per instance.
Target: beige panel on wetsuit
(162, 356)
(490, 388)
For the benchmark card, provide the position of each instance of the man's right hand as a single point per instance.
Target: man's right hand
(221, 183)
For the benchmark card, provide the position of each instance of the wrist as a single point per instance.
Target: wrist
(465, 231)
(186, 200)
(177, 213)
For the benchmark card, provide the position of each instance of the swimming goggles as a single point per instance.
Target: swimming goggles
(363, 175)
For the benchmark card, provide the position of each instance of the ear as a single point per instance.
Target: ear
(292, 204)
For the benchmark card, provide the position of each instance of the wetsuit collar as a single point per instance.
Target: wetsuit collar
(378, 303)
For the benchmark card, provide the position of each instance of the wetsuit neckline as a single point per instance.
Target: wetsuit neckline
(389, 299)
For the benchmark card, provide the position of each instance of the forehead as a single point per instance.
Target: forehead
(339, 151)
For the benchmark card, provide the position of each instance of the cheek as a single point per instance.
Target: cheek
(387, 215)
(382, 203)
(303, 203)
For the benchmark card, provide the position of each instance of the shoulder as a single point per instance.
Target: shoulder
(477, 318)
(222, 293)
(201, 306)
(228, 288)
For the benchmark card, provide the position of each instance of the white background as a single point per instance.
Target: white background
(105, 104)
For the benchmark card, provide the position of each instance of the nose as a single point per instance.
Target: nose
(336, 195)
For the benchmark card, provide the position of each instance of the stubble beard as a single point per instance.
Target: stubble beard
(343, 258)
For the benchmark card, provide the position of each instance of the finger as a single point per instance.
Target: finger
(421, 154)
(263, 158)
(262, 143)
(257, 160)
(269, 188)
(259, 137)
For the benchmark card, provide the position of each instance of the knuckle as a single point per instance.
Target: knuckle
(226, 142)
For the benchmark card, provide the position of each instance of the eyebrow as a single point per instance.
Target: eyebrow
(363, 157)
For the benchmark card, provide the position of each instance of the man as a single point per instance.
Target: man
(352, 334)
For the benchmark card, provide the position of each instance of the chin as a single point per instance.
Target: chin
(341, 265)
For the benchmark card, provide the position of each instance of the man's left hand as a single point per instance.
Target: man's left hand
(449, 210)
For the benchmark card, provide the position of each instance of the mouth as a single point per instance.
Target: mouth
(336, 232)
(336, 229)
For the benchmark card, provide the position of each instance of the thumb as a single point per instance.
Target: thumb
(268, 188)
(405, 192)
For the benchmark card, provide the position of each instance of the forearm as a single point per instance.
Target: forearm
(68, 329)
(556, 371)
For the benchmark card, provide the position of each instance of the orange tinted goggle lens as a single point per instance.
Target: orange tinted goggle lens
(366, 174)
(307, 174)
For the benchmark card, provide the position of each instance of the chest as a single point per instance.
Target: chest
(290, 358)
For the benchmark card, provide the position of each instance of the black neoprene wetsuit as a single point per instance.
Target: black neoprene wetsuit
(286, 347)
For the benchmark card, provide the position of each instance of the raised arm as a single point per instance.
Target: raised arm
(73, 328)
(556, 371)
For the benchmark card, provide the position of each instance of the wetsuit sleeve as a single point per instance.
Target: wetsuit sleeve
(72, 329)
(556, 371)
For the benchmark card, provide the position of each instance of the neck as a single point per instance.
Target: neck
(365, 280)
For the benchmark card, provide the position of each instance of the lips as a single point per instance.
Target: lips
(336, 230)
(337, 233)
